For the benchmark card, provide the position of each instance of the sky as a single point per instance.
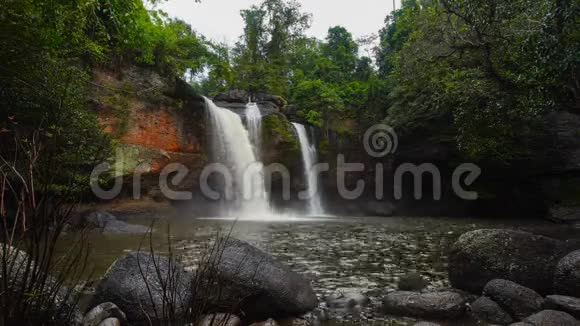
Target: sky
(220, 20)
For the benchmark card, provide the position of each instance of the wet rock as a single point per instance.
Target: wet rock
(567, 275)
(436, 305)
(487, 310)
(551, 318)
(483, 255)
(563, 303)
(412, 282)
(517, 300)
(220, 320)
(283, 322)
(109, 224)
(426, 323)
(565, 214)
(263, 287)
(133, 283)
(110, 322)
(102, 312)
(347, 301)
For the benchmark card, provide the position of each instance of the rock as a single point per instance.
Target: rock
(279, 101)
(220, 320)
(110, 322)
(261, 286)
(562, 303)
(56, 297)
(517, 300)
(102, 312)
(436, 305)
(487, 310)
(565, 214)
(426, 323)
(128, 281)
(108, 223)
(233, 96)
(567, 275)
(552, 318)
(412, 282)
(283, 322)
(347, 301)
(483, 255)
(17, 261)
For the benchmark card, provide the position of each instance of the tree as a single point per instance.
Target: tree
(271, 33)
(342, 51)
(480, 65)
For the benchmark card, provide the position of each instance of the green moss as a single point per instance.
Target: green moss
(279, 138)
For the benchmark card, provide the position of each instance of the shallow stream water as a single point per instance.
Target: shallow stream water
(340, 255)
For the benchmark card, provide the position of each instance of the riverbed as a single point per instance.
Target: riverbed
(340, 255)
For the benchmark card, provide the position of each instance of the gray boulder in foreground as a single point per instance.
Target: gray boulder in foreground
(101, 312)
(130, 280)
(517, 300)
(567, 275)
(487, 310)
(436, 305)
(551, 318)
(570, 305)
(484, 255)
(259, 286)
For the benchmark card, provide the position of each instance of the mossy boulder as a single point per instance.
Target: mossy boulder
(525, 258)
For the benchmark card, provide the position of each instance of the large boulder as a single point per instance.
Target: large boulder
(436, 305)
(487, 310)
(258, 286)
(483, 255)
(134, 283)
(567, 275)
(551, 318)
(517, 300)
(563, 303)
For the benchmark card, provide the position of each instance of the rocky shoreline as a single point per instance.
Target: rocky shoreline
(498, 277)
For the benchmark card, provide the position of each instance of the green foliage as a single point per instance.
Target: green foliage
(47, 52)
(262, 56)
(482, 66)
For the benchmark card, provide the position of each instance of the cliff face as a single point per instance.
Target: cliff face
(156, 123)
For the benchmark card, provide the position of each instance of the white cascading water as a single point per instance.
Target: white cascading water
(254, 119)
(309, 158)
(232, 146)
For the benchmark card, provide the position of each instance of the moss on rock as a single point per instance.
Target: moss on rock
(280, 144)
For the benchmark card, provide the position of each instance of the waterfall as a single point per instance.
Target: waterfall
(309, 158)
(253, 120)
(231, 146)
